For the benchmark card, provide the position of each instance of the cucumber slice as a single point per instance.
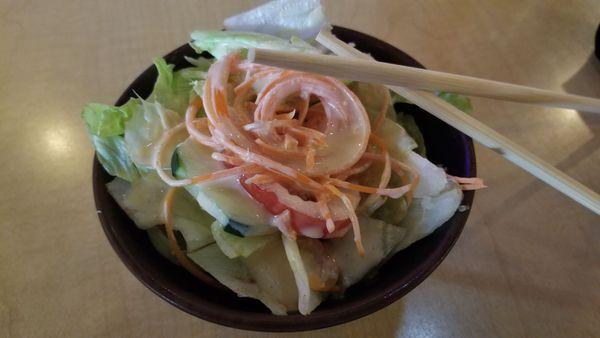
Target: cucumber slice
(234, 246)
(193, 222)
(225, 199)
(236, 228)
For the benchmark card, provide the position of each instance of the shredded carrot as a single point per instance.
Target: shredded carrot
(310, 158)
(468, 183)
(381, 115)
(399, 169)
(390, 192)
(283, 126)
(386, 174)
(245, 168)
(352, 216)
(231, 160)
(330, 225)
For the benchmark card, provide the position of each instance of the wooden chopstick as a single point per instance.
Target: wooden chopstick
(480, 132)
(369, 70)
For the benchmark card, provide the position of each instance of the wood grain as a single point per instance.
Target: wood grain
(527, 264)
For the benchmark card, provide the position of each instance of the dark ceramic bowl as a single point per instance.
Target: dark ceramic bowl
(403, 272)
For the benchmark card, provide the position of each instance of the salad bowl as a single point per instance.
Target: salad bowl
(400, 274)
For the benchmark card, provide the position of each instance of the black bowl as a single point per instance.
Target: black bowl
(403, 272)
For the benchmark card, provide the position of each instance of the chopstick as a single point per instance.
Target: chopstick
(481, 133)
(368, 70)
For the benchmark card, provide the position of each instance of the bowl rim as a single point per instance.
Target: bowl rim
(294, 322)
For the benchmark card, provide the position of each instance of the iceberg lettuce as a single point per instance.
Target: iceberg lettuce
(114, 157)
(221, 43)
(284, 18)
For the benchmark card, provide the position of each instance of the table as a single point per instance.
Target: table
(527, 264)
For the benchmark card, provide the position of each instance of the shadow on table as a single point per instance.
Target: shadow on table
(578, 84)
(385, 323)
(589, 72)
(555, 297)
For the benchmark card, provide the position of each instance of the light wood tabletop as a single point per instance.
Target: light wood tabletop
(526, 265)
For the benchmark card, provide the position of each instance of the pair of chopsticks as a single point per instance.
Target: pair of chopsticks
(352, 64)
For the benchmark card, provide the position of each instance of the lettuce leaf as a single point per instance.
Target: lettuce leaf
(397, 139)
(114, 157)
(171, 89)
(375, 98)
(379, 240)
(459, 101)
(435, 201)
(284, 18)
(141, 199)
(106, 125)
(191, 220)
(104, 120)
(235, 275)
(221, 43)
(271, 271)
(410, 125)
(428, 213)
(145, 128)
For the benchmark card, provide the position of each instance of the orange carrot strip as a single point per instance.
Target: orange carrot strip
(185, 262)
(351, 215)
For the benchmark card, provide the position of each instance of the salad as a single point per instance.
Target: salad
(284, 186)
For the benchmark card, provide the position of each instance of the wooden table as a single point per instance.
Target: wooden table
(527, 264)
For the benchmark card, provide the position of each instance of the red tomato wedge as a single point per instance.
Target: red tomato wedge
(299, 220)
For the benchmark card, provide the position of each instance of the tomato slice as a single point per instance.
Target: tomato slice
(299, 220)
